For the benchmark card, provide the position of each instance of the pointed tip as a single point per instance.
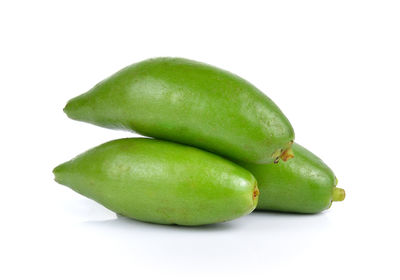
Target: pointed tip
(67, 109)
(76, 107)
(57, 172)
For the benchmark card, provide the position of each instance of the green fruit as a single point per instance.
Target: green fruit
(304, 184)
(161, 182)
(191, 103)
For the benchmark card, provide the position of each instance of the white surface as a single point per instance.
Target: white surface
(333, 67)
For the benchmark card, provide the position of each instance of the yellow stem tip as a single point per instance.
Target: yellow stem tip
(338, 194)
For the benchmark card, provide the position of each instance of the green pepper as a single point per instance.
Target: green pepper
(161, 182)
(304, 184)
(192, 103)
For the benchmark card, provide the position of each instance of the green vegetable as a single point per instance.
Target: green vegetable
(191, 103)
(161, 182)
(304, 184)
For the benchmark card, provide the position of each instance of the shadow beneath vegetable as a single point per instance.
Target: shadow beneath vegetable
(128, 223)
(268, 237)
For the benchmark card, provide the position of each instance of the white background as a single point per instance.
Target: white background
(333, 67)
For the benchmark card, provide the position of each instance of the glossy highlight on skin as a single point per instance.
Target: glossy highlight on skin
(189, 102)
(305, 184)
(161, 182)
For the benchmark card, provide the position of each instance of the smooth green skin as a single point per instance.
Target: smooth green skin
(191, 103)
(304, 184)
(161, 182)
